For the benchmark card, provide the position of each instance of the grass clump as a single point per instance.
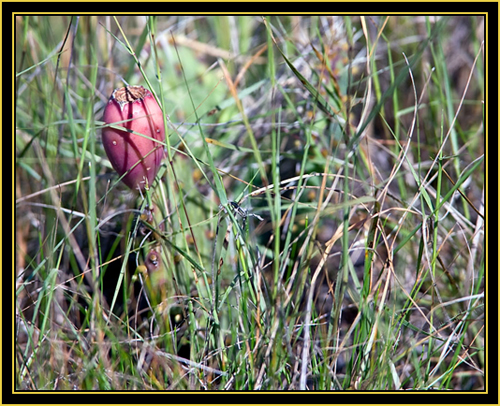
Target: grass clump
(317, 223)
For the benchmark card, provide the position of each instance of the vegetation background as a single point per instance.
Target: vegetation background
(352, 256)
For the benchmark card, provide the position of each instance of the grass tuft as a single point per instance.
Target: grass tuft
(317, 223)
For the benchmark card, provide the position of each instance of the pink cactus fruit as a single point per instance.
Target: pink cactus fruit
(138, 158)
